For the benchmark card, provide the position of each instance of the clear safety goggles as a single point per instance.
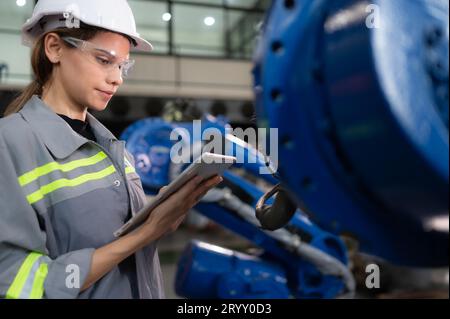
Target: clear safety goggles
(105, 59)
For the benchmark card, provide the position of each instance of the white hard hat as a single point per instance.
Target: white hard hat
(113, 15)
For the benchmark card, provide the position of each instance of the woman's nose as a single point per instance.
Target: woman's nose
(114, 77)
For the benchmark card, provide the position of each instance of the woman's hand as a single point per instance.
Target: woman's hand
(167, 216)
(163, 219)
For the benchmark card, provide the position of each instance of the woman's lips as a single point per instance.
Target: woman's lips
(106, 95)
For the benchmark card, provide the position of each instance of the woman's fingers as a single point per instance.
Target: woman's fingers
(206, 185)
(204, 188)
(162, 189)
(177, 223)
(171, 213)
(189, 187)
(199, 197)
(193, 190)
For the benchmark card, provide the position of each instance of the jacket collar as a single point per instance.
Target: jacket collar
(56, 134)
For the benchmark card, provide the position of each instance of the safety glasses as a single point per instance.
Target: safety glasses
(105, 59)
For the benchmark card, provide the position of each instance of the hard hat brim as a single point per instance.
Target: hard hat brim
(29, 34)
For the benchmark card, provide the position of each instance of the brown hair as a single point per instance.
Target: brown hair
(43, 67)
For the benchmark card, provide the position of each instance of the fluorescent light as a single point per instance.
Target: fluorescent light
(21, 3)
(437, 223)
(166, 16)
(209, 21)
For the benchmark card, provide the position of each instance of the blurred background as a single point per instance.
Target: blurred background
(202, 52)
(202, 65)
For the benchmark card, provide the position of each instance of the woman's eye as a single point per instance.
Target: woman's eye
(103, 61)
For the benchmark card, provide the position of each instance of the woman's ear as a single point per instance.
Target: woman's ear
(53, 47)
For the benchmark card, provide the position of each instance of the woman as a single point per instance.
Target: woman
(66, 183)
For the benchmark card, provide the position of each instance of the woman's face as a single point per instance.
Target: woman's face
(90, 77)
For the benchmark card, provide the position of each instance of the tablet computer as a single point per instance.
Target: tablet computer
(206, 166)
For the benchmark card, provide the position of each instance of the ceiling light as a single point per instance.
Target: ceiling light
(166, 16)
(209, 21)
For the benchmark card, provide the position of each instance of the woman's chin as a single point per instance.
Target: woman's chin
(98, 106)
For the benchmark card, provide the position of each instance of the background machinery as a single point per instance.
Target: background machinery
(358, 91)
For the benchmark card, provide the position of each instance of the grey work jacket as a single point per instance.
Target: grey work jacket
(61, 197)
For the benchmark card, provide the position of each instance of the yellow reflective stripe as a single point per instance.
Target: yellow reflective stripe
(24, 271)
(53, 166)
(38, 284)
(63, 182)
(129, 169)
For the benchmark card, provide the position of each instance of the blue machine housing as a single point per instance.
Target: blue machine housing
(362, 114)
(149, 141)
(207, 271)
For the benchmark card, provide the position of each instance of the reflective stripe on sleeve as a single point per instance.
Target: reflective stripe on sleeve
(29, 280)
